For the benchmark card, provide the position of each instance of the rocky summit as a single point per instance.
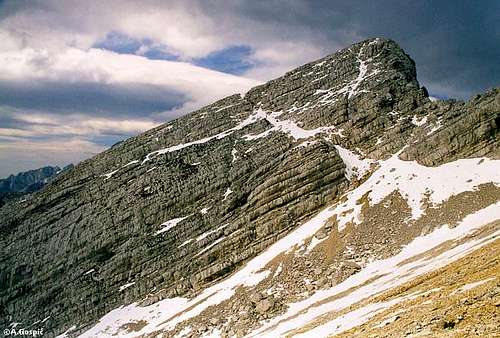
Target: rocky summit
(309, 206)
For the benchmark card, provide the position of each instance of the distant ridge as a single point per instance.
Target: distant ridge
(28, 181)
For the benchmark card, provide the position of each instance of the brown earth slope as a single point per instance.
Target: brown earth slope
(461, 299)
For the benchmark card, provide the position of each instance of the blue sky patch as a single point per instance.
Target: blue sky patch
(124, 44)
(233, 60)
(119, 43)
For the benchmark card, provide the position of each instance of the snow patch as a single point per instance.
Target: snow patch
(233, 153)
(355, 167)
(227, 193)
(415, 120)
(471, 286)
(126, 286)
(314, 243)
(288, 127)
(249, 120)
(111, 324)
(418, 184)
(110, 174)
(130, 163)
(65, 334)
(413, 181)
(170, 224)
(186, 243)
(214, 243)
(208, 233)
(436, 127)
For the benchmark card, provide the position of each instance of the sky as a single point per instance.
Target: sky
(78, 76)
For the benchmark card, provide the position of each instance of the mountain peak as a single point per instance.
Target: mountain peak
(317, 173)
(350, 70)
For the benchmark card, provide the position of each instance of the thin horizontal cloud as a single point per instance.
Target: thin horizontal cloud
(106, 67)
(97, 97)
(73, 125)
(103, 99)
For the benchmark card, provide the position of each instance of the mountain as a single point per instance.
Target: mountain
(309, 206)
(27, 182)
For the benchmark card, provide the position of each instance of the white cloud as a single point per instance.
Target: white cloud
(95, 65)
(189, 28)
(276, 60)
(179, 24)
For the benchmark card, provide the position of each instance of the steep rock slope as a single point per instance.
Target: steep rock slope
(164, 217)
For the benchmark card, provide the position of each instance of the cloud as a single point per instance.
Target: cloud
(106, 67)
(43, 125)
(95, 97)
(32, 139)
(102, 99)
(188, 30)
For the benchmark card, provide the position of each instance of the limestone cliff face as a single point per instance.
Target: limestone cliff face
(183, 205)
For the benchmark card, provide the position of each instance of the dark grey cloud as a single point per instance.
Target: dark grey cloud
(9, 8)
(105, 100)
(454, 44)
(10, 121)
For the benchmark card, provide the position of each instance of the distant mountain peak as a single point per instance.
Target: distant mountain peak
(28, 181)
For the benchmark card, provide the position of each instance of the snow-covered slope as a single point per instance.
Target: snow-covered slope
(421, 188)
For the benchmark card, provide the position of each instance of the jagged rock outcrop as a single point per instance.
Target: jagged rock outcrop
(173, 210)
(457, 130)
